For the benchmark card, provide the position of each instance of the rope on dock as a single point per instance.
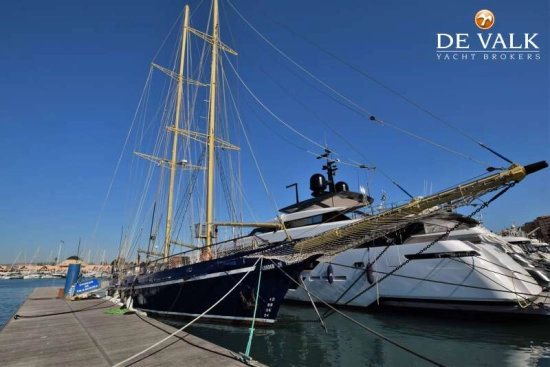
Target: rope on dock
(93, 307)
(360, 324)
(190, 322)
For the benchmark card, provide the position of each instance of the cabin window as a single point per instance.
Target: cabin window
(474, 239)
(420, 239)
(316, 219)
(525, 245)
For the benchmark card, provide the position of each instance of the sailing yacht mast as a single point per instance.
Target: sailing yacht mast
(173, 161)
(211, 126)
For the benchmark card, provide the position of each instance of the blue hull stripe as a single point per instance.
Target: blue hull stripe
(199, 277)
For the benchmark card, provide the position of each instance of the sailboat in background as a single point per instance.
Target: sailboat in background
(245, 277)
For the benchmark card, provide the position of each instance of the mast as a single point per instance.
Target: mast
(59, 252)
(173, 161)
(211, 125)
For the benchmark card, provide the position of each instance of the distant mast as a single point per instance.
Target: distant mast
(173, 161)
(211, 127)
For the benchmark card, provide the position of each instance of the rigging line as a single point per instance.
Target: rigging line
(271, 112)
(432, 243)
(176, 22)
(190, 322)
(185, 201)
(465, 181)
(266, 188)
(294, 62)
(151, 168)
(328, 313)
(324, 122)
(504, 267)
(371, 115)
(249, 344)
(231, 208)
(437, 281)
(282, 137)
(381, 336)
(120, 157)
(231, 160)
(353, 110)
(161, 136)
(450, 283)
(473, 267)
(168, 35)
(431, 142)
(376, 81)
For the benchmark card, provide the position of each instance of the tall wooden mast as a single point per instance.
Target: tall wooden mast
(211, 128)
(173, 161)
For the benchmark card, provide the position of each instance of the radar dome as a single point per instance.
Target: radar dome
(317, 184)
(341, 186)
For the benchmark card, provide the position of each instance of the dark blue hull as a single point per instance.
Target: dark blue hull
(190, 290)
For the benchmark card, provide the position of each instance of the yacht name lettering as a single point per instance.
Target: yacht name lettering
(488, 41)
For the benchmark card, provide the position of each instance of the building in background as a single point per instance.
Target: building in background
(541, 228)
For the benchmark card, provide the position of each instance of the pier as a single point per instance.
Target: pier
(82, 333)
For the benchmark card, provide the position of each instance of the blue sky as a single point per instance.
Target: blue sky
(73, 72)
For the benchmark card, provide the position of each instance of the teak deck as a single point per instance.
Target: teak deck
(93, 338)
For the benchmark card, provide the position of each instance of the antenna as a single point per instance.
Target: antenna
(295, 184)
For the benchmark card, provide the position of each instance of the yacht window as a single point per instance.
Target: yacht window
(316, 219)
(474, 239)
(525, 245)
(420, 239)
(304, 221)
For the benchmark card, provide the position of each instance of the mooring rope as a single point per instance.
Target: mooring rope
(360, 324)
(249, 344)
(93, 307)
(190, 322)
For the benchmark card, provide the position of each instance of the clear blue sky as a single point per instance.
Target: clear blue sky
(72, 74)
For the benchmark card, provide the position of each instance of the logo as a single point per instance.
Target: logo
(485, 19)
(488, 46)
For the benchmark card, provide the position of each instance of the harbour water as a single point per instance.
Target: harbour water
(14, 291)
(298, 341)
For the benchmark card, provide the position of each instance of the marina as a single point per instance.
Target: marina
(329, 248)
(262, 205)
(299, 340)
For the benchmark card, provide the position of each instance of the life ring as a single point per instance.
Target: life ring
(370, 272)
(330, 274)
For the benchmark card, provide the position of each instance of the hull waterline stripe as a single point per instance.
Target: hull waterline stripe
(267, 321)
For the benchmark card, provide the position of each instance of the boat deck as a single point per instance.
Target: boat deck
(92, 337)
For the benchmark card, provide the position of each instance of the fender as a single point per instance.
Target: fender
(330, 274)
(370, 272)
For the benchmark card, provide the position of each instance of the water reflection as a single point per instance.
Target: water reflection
(298, 341)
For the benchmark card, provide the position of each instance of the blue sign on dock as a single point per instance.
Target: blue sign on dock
(86, 286)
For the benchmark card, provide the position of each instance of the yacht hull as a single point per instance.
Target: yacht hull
(449, 275)
(190, 290)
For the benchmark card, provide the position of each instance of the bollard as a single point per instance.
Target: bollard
(72, 278)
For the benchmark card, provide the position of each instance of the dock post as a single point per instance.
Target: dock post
(72, 277)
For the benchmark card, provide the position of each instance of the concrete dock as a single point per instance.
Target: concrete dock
(90, 337)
